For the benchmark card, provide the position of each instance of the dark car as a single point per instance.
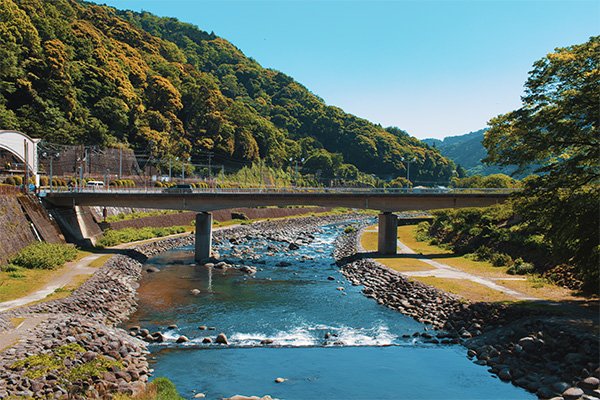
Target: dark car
(181, 188)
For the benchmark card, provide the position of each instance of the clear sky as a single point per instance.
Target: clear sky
(433, 68)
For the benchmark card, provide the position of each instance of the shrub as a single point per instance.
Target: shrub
(126, 235)
(18, 180)
(10, 181)
(10, 268)
(521, 267)
(500, 260)
(422, 231)
(350, 229)
(44, 180)
(44, 255)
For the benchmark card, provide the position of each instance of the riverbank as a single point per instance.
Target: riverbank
(538, 352)
(528, 346)
(90, 315)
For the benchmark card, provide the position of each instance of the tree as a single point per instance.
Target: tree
(557, 127)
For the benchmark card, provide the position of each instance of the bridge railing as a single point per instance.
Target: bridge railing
(297, 190)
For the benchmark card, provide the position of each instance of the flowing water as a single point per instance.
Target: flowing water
(326, 342)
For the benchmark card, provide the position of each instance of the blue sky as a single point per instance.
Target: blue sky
(433, 68)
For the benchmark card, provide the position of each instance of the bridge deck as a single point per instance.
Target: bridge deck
(206, 200)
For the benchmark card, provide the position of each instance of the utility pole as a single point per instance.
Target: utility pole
(26, 183)
(120, 162)
(210, 156)
(170, 168)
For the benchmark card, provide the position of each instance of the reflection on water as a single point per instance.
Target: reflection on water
(328, 343)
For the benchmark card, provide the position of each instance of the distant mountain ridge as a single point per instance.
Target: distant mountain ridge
(467, 151)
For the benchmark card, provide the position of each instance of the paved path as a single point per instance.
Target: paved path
(71, 269)
(445, 271)
(441, 270)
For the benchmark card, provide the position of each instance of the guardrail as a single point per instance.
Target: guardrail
(293, 190)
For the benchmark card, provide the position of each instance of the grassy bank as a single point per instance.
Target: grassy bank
(531, 285)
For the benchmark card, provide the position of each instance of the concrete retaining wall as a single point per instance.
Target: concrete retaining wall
(22, 219)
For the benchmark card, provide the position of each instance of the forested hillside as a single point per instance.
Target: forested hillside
(467, 151)
(73, 72)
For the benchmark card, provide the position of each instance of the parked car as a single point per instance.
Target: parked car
(181, 188)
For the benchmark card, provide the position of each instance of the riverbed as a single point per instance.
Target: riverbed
(297, 318)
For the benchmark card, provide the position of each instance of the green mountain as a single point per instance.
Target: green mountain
(467, 151)
(73, 72)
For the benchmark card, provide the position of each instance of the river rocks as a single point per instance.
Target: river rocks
(504, 374)
(209, 265)
(207, 340)
(221, 339)
(182, 339)
(293, 246)
(330, 278)
(199, 396)
(195, 292)
(572, 393)
(222, 265)
(248, 269)
(266, 341)
(202, 327)
(152, 269)
(590, 383)
(172, 326)
(280, 380)
(283, 264)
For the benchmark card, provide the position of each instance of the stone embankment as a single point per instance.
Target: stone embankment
(546, 356)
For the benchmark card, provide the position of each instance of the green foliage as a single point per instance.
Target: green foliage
(139, 214)
(350, 229)
(520, 267)
(83, 73)
(44, 255)
(490, 181)
(126, 235)
(165, 389)
(422, 232)
(39, 365)
(10, 268)
(399, 182)
(557, 127)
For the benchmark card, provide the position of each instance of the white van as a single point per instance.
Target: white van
(94, 185)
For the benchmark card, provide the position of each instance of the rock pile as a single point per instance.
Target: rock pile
(100, 343)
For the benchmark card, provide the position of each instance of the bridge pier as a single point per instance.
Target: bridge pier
(387, 238)
(203, 242)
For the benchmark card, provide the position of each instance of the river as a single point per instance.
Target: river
(328, 342)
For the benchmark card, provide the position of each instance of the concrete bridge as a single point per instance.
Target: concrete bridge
(203, 201)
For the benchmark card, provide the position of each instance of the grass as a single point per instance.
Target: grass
(139, 214)
(532, 285)
(32, 279)
(100, 261)
(114, 237)
(66, 290)
(159, 389)
(467, 289)
(16, 321)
